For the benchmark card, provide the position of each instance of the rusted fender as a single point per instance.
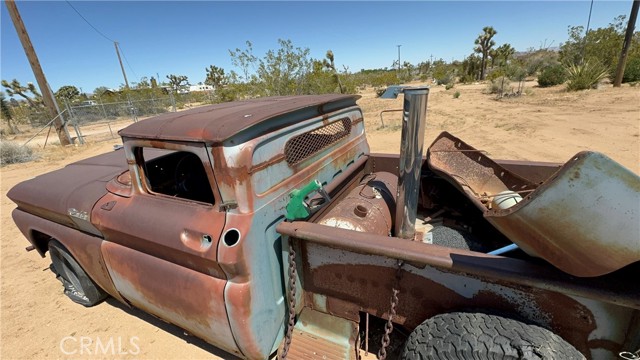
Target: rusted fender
(585, 220)
(83, 247)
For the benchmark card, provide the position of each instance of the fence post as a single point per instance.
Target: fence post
(153, 104)
(104, 113)
(173, 101)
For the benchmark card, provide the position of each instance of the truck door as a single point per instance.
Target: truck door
(162, 239)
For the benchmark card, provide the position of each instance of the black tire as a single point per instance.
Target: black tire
(481, 336)
(77, 284)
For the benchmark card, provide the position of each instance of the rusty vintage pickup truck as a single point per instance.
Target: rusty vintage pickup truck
(267, 228)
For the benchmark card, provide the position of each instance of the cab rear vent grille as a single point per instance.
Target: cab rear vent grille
(303, 146)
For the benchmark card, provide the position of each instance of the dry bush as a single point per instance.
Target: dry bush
(13, 153)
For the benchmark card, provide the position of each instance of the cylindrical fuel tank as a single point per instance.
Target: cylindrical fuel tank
(368, 207)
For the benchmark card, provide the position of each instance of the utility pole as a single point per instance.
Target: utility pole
(622, 62)
(47, 95)
(398, 59)
(126, 83)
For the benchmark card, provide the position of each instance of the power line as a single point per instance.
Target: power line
(88, 23)
(106, 37)
(127, 61)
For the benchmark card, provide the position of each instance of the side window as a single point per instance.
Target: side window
(180, 174)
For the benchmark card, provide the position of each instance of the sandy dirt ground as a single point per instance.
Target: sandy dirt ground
(38, 321)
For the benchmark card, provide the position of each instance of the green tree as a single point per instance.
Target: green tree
(215, 76)
(504, 53)
(67, 92)
(471, 68)
(319, 79)
(177, 81)
(484, 44)
(283, 72)
(15, 88)
(601, 45)
(331, 66)
(100, 90)
(143, 83)
(7, 116)
(244, 59)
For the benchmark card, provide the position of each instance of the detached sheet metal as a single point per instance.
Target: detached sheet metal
(584, 219)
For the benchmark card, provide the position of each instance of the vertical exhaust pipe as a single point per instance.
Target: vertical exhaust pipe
(413, 123)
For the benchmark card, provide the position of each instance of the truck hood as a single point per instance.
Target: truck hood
(67, 196)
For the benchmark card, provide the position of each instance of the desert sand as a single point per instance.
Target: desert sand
(38, 321)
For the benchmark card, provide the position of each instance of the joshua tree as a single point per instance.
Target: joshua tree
(484, 44)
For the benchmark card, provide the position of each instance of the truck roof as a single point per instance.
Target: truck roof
(219, 122)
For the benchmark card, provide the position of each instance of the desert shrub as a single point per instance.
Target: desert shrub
(515, 72)
(499, 85)
(552, 75)
(449, 86)
(467, 79)
(494, 74)
(456, 95)
(535, 61)
(444, 79)
(13, 153)
(585, 76)
(632, 71)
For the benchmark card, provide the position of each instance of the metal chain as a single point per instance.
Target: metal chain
(292, 300)
(358, 346)
(388, 327)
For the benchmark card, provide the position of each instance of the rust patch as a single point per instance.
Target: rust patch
(230, 177)
(368, 207)
(169, 293)
(265, 164)
(368, 287)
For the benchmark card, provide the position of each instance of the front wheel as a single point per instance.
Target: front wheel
(482, 336)
(77, 284)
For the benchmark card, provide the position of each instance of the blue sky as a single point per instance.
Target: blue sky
(171, 37)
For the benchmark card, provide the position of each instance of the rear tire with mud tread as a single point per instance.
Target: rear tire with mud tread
(482, 336)
(78, 286)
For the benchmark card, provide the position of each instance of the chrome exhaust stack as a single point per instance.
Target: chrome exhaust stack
(411, 147)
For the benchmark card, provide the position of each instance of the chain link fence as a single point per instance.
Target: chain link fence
(113, 111)
(103, 112)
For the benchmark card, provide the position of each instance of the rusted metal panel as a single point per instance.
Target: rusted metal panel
(473, 172)
(585, 219)
(366, 281)
(176, 230)
(219, 122)
(83, 247)
(617, 288)
(368, 207)
(181, 296)
(534, 171)
(323, 337)
(254, 265)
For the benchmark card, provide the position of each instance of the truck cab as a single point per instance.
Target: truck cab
(186, 224)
